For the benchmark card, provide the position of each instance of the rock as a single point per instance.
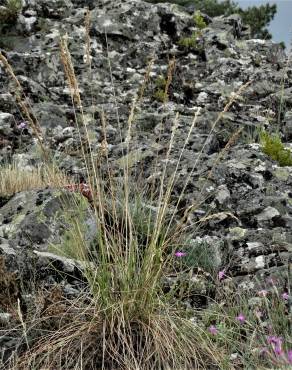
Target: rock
(268, 214)
(6, 123)
(33, 219)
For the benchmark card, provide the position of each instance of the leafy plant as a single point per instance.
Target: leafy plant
(188, 42)
(159, 93)
(199, 20)
(254, 330)
(274, 148)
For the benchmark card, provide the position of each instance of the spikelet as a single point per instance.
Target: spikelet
(69, 71)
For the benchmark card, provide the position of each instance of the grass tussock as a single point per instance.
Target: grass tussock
(14, 179)
(127, 317)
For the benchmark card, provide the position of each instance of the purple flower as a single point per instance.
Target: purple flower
(285, 296)
(276, 343)
(221, 275)
(241, 318)
(180, 254)
(22, 125)
(273, 339)
(278, 350)
(289, 356)
(213, 330)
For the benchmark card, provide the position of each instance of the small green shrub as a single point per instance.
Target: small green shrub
(199, 20)
(159, 93)
(9, 13)
(200, 255)
(188, 42)
(161, 82)
(274, 148)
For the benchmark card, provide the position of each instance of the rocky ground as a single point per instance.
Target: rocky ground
(250, 193)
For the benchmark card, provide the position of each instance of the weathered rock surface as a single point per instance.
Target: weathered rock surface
(248, 194)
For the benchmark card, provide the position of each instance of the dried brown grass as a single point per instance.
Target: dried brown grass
(14, 179)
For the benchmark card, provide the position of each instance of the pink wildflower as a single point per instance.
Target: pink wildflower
(221, 275)
(285, 296)
(241, 318)
(22, 125)
(180, 254)
(273, 339)
(276, 343)
(289, 357)
(213, 330)
(263, 293)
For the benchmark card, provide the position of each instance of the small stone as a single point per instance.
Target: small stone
(260, 262)
(268, 214)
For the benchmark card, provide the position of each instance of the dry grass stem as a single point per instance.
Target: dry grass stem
(14, 179)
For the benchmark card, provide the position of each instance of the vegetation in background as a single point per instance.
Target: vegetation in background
(193, 40)
(274, 148)
(257, 17)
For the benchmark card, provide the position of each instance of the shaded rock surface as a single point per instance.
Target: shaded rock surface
(247, 193)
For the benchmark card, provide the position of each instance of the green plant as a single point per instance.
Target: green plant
(199, 20)
(274, 148)
(9, 13)
(188, 42)
(159, 93)
(160, 96)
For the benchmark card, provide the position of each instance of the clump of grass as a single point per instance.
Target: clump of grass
(274, 148)
(14, 179)
(162, 84)
(160, 96)
(10, 12)
(188, 42)
(200, 255)
(125, 320)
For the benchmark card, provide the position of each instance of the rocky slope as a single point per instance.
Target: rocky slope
(251, 195)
